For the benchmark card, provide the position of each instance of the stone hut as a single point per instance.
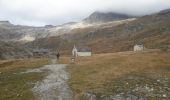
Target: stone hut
(139, 47)
(38, 53)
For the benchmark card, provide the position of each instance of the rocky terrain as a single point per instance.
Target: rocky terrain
(10, 32)
(54, 86)
(99, 17)
(103, 32)
(12, 50)
(150, 30)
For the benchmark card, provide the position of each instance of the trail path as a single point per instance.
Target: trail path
(54, 86)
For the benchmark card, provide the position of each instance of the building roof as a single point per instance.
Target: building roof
(83, 49)
(40, 50)
(139, 45)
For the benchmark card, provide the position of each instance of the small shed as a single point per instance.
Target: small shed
(168, 46)
(81, 51)
(139, 47)
(38, 53)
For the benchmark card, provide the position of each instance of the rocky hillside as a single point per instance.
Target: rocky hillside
(164, 11)
(11, 50)
(112, 35)
(99, 17)
(10, 32)
(151, 30)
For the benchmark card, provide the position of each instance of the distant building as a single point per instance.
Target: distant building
(168, 46)
(74, 51)
(38, 53)
(139, 47)
(83, 51)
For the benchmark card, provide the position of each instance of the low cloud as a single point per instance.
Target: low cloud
(42, 12)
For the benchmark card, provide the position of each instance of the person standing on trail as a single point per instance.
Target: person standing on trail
(58, 56)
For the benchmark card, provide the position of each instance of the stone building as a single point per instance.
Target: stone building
(38, 53)
(83, 51)
(139, 47)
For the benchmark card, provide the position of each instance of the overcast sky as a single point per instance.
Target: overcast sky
(42, 12)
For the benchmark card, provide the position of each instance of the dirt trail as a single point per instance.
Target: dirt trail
(54, 86)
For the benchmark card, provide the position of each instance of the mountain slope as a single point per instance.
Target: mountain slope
(10, 50)
(151, 30)
(10, 32)
(99, 17)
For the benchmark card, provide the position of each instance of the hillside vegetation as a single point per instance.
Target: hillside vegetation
(152, 30)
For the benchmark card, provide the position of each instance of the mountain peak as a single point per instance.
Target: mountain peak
(166, 11)
(98, 17)
(5, 22)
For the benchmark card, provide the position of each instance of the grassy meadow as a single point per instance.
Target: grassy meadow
(124, 72)
(100, 74)
(15, 85)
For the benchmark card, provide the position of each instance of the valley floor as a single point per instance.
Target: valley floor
(122, 76)
(117, 76)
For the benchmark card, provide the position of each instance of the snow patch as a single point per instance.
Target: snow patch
(27, 38)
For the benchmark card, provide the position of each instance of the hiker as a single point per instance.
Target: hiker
(58, 56)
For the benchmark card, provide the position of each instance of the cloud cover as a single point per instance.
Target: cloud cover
(42, 12)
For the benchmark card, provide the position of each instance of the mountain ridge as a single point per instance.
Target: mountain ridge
(30, 33)
(152, 30)
(113, 36)
(98, 17)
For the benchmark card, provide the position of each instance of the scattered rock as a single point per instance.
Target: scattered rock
(164, 95)
(121, 96)
(18, 95)
(90, 96)
(158, 80)
(54, 86)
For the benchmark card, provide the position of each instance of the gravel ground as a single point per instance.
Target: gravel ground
(54, 86)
